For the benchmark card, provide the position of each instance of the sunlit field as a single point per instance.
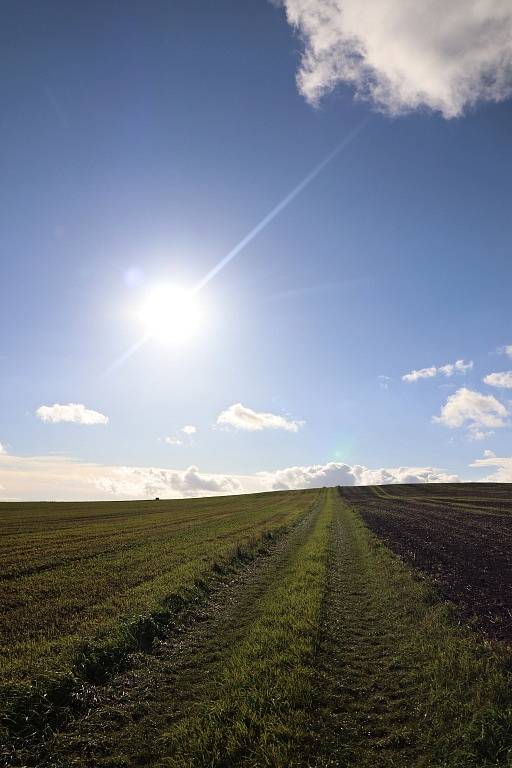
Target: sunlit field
(256, 384)
(262, 630)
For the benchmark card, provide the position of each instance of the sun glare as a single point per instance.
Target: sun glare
(171, 313)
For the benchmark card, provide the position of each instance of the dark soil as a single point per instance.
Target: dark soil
(455, 535)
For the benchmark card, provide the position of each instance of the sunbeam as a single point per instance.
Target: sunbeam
(284, 203)
(126, 354)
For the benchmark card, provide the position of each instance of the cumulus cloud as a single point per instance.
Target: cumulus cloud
(501, 380)
(335, 473)
(57, 478)
(458, 367)
(3, 450)
(477, 412)
(404, 55)
(239, 416)
(148, 482)
(488, 454)
(189, 429)
(502, 466)
(506, 350)
(75, 413)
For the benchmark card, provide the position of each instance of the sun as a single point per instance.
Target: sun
(171, 313)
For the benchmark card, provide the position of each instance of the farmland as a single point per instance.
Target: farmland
(459, 535)
(304, 628)
(82, 584)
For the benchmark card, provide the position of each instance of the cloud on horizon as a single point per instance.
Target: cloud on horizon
(135, 482)
(238, 416)
(404, 56)
(73, 413)
(57, 478)
(503, 467)
(335, 473)
(458, 367)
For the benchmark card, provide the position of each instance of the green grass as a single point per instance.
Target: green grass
(82, 584)
(348, 638)
(329, 651)
(409, 686)
(261, 713)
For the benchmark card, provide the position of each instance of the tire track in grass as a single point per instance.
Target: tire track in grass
(127, 717)
(400, 685)
(258, 711)
(365, 716)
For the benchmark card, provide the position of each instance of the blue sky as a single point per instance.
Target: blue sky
(140, 145)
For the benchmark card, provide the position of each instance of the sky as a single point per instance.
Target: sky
(253, 246)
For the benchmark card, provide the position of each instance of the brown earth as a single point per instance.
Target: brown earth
(459, 535)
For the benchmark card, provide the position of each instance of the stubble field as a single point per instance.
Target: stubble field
(329, 627)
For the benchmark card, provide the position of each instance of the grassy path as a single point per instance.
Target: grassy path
(400, 685)
(82, 586)
(367, 715)
(259, 710)
(326, 651)
(186, 703)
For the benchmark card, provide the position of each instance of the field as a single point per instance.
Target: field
(321, 628)
(460, 536)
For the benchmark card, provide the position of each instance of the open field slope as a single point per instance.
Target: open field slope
(315, 648)
(460, 535)
(82, 584)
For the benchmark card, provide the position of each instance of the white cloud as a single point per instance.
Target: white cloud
(172, 441)
(501, 380)
(475, 433)
(335, 473)
(187, 430)
(148, 482)
(405, 55)
(503, 473)
(488, 454)
(458, 367)
(57, 478)
(75, 413)
(422, 373)
(3, 450)
(506, 350)
(477, 412)
(241, 417)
